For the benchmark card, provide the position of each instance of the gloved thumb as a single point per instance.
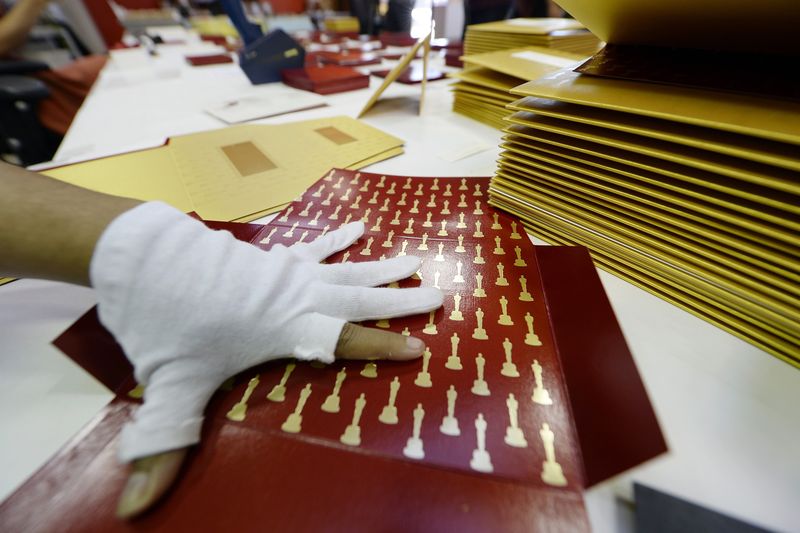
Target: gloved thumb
(171, 417)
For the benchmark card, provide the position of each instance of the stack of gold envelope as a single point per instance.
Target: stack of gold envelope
(692, 194)
(238, 173)
(483, 88)
(564, 34)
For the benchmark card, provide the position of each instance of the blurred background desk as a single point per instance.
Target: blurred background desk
(728, 410)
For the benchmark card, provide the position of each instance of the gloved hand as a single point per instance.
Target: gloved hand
(192, 307)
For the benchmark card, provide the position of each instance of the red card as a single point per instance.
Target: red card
(214, 59)
(325, 80)
(528, 394)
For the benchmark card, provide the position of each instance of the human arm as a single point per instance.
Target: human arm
(56, 231)
(17, 23)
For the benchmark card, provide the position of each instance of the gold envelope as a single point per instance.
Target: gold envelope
(487, 78)
(775, 263)
(144, 175)
(527, 26)
(732, 144)
(491, 97)
(607, 156)
(782, 214)
(528, 63)
(777, 120)
(607, 256)
(710, 24)
(661, 265)
(702, 241)
(765, 175)
(199, 172)
(237, 171)
(779, 319)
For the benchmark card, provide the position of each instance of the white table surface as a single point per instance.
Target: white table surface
(728, 410)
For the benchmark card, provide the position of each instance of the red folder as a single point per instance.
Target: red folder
(592, 421)
(325, 80)
(348, 59)
(209, 59)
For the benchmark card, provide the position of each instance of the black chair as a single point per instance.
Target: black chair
(23, 139)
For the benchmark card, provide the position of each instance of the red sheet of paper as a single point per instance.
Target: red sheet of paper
(251, 472)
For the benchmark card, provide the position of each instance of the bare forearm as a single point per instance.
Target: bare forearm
(14, 27)
(48, 229)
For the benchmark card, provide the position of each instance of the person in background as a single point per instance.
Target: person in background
(192, 307)
(68, 85)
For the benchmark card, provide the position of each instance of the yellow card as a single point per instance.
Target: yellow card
(402, 65)
(144, 175)
(235, 172)
(732, 144)
(773, 177)
(767, 118)
(691, 23)
(528, 63)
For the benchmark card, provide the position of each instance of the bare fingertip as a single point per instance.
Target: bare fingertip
(414, 347)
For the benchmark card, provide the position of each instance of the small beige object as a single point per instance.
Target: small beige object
(294, 422)
(478, 291)
(454, 361)
(439, 256)
(505, 319)
(266, 239)
(239, 410)
(423, 376)
(520, 262)
(540, 394)
(481, 461)
(479, 333)
(479, 386)
(460, 248)
(524, 295)
(458, 278)
(456, 313)
(501, 280)
(278, 392)
(509, 368)
(414, 448)
(514, 436)
(498, 250)
(478, 259)
(531, 338)
(389, 413)
(331, 403)
(430, 327)
(450, 422)
(552, 474)
(370, 370)
(352, 433)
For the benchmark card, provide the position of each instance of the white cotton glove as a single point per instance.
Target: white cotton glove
(192, 307)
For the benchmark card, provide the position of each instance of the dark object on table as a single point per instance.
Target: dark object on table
(264, 59)
(657, 512)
